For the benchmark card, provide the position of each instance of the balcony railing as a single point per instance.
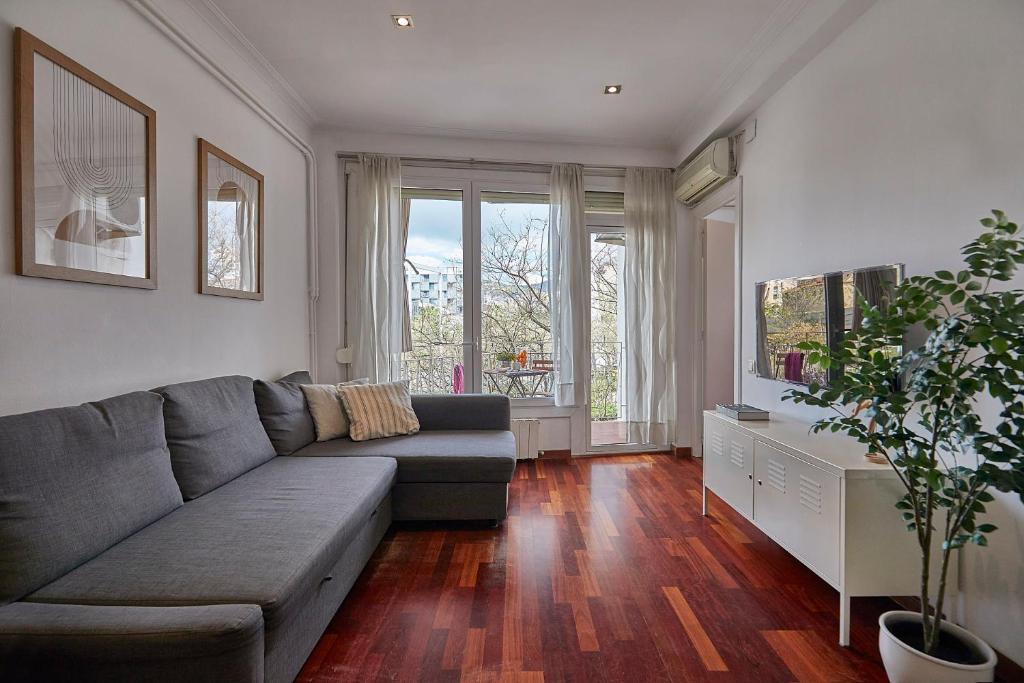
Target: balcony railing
(607, 380)
(432, 370)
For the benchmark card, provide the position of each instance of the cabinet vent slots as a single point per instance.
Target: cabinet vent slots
(777, 475)
(736, 455)
(810, 494)
(717, 444)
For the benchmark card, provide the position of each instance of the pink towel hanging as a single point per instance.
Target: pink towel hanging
(459, 379)
(795, 366)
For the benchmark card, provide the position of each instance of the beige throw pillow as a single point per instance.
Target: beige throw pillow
(329, 416)
(379, 410)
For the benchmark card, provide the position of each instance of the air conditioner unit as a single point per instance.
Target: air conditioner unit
(708, 170)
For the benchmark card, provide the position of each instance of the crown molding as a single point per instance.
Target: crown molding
(244, 48)
(495, 135)
(471, 144)
(793, 36)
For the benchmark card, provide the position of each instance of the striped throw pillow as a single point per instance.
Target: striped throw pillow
(379, 410)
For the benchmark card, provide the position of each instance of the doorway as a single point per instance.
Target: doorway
(719, 316)
(718, 304)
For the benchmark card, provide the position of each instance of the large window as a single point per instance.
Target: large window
(478, 280)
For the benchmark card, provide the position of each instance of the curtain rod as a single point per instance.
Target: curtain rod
(497, 164)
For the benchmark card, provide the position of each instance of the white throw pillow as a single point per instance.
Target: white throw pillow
(329, 416)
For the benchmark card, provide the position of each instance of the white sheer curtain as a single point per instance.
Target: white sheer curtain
(247, 239)
(650, 306)
(232, 185)
(569, 275)
(378, 318)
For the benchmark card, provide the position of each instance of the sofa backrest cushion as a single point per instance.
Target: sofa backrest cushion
(214, 432)
(283, 412)
(462, 411)
(75, 481)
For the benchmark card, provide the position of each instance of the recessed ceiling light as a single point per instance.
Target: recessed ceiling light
(612, 89)
(402, 20)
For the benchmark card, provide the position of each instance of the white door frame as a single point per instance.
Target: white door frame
(731, 193)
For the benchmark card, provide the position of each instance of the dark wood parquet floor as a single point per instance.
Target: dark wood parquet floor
(604, 571)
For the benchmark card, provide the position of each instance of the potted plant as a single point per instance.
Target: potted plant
(504, 358)
(922, 413)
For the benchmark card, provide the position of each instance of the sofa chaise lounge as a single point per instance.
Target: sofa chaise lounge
(165, 535)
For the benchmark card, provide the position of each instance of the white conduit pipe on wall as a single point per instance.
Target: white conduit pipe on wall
(156, 16)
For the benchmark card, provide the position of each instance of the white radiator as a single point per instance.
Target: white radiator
(527, 433)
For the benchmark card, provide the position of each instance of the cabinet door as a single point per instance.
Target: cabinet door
(729, 465)
(797, 504)
(773, 500)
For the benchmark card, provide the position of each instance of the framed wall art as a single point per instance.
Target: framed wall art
(230, 226)
(85, 173)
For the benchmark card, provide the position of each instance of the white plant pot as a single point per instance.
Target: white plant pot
(904, 664)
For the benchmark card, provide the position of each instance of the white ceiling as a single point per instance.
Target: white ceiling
(520, 69)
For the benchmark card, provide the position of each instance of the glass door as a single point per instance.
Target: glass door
(608, 405)
(514, 326)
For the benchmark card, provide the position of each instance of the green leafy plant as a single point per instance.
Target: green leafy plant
(925, 405)
(505, 356)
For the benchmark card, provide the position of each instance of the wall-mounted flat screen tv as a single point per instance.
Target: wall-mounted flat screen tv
(818, 308)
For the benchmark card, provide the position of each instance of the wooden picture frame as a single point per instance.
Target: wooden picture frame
(233, 182)
(97, 197)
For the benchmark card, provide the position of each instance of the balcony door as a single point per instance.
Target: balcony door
(609, 409)
(514, 314)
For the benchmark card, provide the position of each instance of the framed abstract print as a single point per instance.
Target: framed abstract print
(230, 226)
(85, 173)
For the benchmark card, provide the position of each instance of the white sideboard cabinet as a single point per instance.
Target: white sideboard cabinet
(817, 496)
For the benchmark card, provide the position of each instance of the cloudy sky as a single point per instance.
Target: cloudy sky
(435, 229)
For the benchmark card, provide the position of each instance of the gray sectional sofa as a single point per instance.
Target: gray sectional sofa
(184, 534)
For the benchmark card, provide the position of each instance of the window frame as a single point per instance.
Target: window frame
(473, 182)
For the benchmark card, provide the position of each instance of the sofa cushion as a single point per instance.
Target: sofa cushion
(214, 432)
(463, 455)
(298, 377)
(329, 417)
(283, 412)
(75, 481)
(103, 644)
(462, 411)
(268, 538)
(377, 411)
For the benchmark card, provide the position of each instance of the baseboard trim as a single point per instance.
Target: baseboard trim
(566, 454)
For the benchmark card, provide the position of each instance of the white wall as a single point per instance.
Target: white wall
(888, 147)
(65, 342)
(561, 428)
